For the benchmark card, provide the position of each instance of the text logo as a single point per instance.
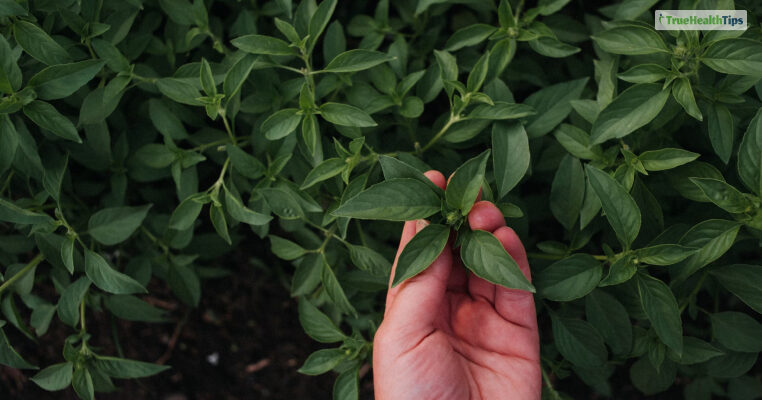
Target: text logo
(703, 20)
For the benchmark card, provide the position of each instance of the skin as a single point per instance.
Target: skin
(447, 334)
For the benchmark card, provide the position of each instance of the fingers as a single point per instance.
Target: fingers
(436, 177)
(484, 216)
(416, 302)
(516, 306)
(408, 231)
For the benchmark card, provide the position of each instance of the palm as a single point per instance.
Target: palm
(449, 335)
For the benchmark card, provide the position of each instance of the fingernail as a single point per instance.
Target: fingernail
(420, 224)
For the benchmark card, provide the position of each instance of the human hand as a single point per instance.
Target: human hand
(451, 335)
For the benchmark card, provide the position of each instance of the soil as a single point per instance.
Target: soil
(244, 341)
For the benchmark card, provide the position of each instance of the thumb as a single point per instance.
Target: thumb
(416, 301)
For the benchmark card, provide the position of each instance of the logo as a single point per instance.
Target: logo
(704, 20)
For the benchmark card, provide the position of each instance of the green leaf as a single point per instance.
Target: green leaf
(570, 278)
(71, 297)
(649, 380)
(131, 308)
(578, 342)
(511, 155)
(335, 291)
(47, 117)
(261, 44)
(179, 91)
(9, 356)
(750, 155)
(111, 55)
(500, 111)
(664, 254)
(9, 143)
(723, 195)
(478, 73)
(283, 203)
(244, 163)
(696, 350)
(469, 36)
(10, 8)
(185, 284)
(576, 142)
(567, 191)
(82, 382)
(552, 105)
(207, 79)
(551, 47)
(55, 377)
(67, 254)
(737, 331)
(39, 44)
(10, 212)
(320, 20)
(114, 225)
(448, 65)
(187, 212)
(241, 213)
(237, 75)
(401, 199)
(610, 318)
(346, 115)
(667, 158)
(53, 176)
(165, 121)
(721, 132)
(660, 306)
(369, 260)
(644, 73)
(683, 93)
(286, 249)
(743, 281)
(322, 361)
(712, 238)
(121, 368)
(10, 74)
(220, 223)
(59, 81)
(631, 40)
(621, 210)
(281, 123)
(317, 325)
(620, 271)
(738, 56)
(466, 182)
(356, 60)
(107, 278)
(325, 170)
(421, 251)
(484, 255)
(632, 109)
(347, 385)
(394, 168)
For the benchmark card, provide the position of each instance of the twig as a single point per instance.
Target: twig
(173, 340)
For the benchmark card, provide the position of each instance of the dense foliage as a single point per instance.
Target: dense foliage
(141, 140)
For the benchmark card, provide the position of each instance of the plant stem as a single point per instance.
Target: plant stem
(453, 119)
(232, 137)
(694, 292)
(82, 325)
(35, 261)
(154, 239)
(549, 385)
